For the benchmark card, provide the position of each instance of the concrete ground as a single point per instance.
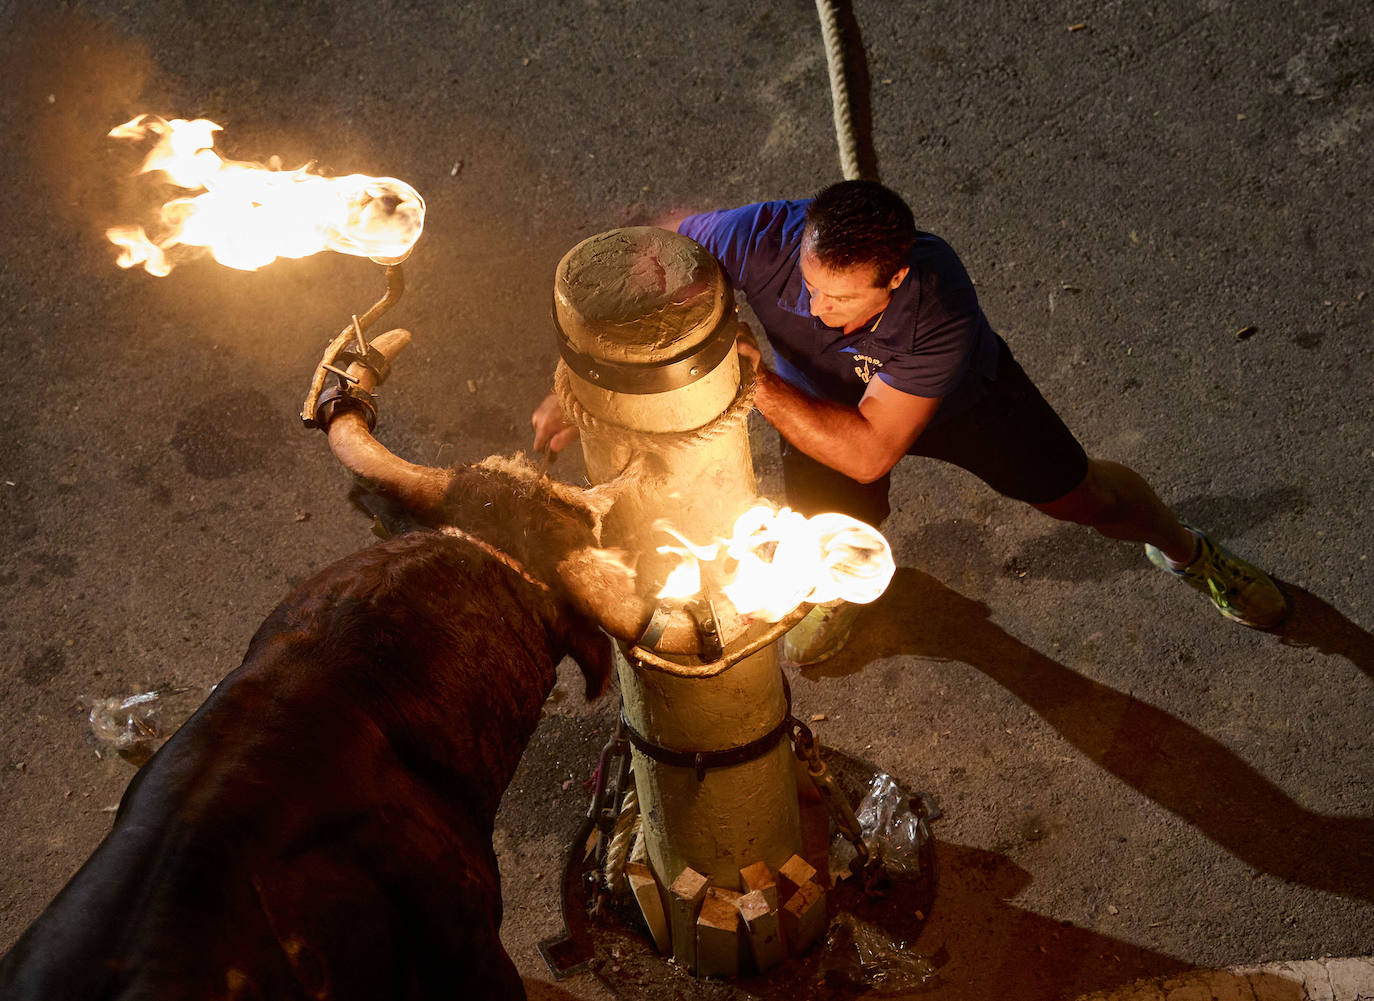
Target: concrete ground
(1166, 206)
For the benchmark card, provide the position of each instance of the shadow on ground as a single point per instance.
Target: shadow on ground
(1069, 553)
(1315, 624)
(1182, 769)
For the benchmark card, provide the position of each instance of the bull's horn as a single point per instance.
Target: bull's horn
(420, 489)
(602, 587)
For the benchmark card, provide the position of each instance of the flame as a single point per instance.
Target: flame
(776, 559)
(248, 214)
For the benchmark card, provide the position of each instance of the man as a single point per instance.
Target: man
(881, 350)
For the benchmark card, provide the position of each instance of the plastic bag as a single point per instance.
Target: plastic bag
(133, 724)
(892, 829)
(858, 954)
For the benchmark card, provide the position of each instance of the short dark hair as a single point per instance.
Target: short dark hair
(860, 222)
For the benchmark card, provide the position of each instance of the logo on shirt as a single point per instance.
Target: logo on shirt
(865, 366)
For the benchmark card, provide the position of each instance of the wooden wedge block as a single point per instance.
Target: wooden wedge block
(794, 873)
(719, 944)
(650, 901)
(763, 930)
(759, 877)
(803, 917)
(684, 901)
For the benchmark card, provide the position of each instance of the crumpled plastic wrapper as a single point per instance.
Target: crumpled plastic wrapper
(133, 725)
(858, 954)
(892, 829)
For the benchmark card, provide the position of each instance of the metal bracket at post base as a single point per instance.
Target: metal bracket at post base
(570, 951)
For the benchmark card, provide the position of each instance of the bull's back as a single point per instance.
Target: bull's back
(321, 826)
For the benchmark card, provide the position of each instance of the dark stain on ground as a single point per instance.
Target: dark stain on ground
(1033, 828)
(223, 436)
(52, 565)
(41, 667)
(1308, 340)
(139, 475)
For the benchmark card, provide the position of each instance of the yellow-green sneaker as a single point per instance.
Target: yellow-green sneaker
(1241, 591)
(821, 635)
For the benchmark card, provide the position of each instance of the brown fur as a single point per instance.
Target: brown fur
(321, 827)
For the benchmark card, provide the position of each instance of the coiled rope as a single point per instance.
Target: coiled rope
(627, 827)
(736, 413)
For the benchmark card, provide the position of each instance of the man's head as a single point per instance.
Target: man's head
(854, 249)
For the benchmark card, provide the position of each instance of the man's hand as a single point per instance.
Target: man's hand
(552, 432)
(748, 347)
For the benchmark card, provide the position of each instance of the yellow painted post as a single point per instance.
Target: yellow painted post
(646, 323)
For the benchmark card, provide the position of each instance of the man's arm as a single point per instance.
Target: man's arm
(863, 442)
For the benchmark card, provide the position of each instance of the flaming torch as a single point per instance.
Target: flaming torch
(775, 561)
(247, 215)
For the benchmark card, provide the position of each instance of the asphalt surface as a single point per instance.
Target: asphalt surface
(1133, 787)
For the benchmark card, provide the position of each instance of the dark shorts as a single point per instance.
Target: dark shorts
(1011, 439)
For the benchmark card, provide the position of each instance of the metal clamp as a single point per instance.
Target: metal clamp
(702, 611)
(338, 347)
(371, 359)
(346, 396)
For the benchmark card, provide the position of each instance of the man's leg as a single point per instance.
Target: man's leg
(1014, 441)
(814, 488)
(1116, 500)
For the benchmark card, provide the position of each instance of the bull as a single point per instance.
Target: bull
(321, 827)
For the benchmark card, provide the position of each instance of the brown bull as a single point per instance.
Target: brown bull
(321, 827)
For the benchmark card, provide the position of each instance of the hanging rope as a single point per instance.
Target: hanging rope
(839, 89)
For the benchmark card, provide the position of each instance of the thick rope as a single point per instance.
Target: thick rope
(736, 413)
(626, 827)
(839, 89)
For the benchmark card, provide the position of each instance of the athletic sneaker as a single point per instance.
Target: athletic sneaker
(1240, 590)
(821, 635)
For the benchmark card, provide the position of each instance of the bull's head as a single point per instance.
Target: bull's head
(549, 529)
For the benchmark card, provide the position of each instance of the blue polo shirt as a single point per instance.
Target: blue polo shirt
(932, 340)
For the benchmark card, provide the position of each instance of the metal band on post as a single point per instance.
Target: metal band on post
(661, 376)
(700, 761)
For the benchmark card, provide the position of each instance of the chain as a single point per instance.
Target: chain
(804, 744)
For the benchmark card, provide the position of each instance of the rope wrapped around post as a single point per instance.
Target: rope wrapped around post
(736, 413)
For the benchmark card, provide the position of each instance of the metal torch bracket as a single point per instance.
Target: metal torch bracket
(645, 657)
(350, 346)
